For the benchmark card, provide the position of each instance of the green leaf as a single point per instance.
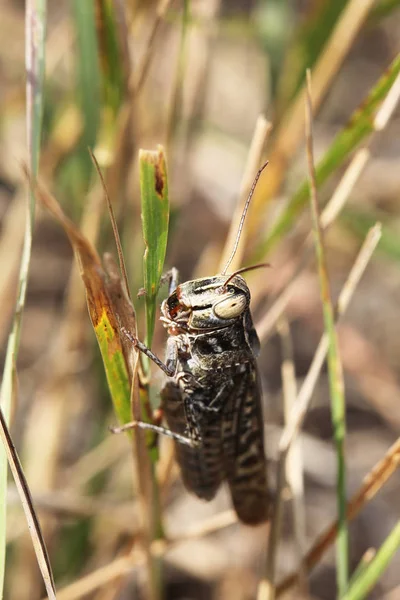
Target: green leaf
(307, 44)
(359, 127)
(155, 217)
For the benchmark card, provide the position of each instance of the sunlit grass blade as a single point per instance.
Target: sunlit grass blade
(35, 27)
(30, 514)
(360, 126)
(368, 577)
(155, 218)
(335, 371)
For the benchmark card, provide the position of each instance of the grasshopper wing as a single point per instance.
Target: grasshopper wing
(243, 449)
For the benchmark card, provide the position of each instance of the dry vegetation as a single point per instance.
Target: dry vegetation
(198, 77)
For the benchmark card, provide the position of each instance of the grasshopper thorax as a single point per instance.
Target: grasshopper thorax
(206, 304)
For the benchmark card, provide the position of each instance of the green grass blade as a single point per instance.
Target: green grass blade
(368, 577)
(111, 59)
(88, 73)
(382, 9)
(359, 221)
(308, 42)
(35, 23)
(88, 84)
(155, 217)
(335, 371)
(359, 127)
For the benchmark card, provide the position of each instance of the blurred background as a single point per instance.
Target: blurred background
(195, 76)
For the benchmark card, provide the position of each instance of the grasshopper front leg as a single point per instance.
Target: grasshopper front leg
(169, 369)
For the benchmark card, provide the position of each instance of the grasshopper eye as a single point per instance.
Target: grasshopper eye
(230, 307)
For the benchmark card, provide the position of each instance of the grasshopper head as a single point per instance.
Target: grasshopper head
(207, 303)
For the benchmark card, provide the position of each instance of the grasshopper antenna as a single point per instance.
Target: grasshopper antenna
(244, 270)
(240, 228)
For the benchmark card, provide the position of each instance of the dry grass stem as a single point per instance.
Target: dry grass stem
(39, 544)
(210, 525)
(306, 390)
(117, 238)
(98, 578)
(289, 473)
(142, 70)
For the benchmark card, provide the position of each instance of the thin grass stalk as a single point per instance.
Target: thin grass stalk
(336, 385)
(35, 32)
(294, 459)
(142, 70)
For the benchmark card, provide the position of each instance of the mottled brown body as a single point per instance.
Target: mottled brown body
(213, 395)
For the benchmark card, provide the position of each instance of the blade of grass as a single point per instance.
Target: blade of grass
(29, 510)
(361, 124)
(362, 565)
(155, 218)
(336, 384)
(372, 483)
(35, 28)
(369, 575)
(381, 10)
(307, 44)
(88, 78)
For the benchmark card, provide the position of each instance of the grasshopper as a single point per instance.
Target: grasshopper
(212, 400)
